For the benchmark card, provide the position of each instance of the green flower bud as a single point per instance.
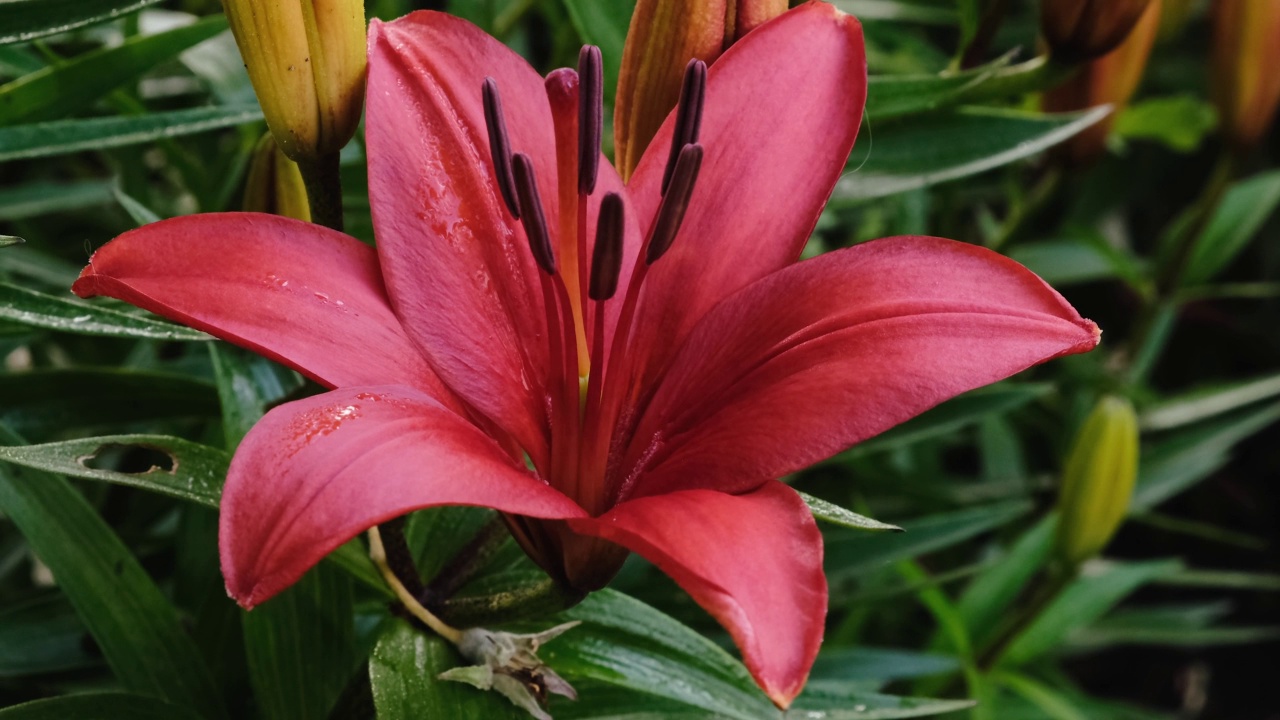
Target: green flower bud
(1098, 480)
(306, 59)
(275, 184)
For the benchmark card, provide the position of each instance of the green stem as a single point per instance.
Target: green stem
(398, 556)
(466, 563)
(324, 189)
(1045, 593)
(1184, 242)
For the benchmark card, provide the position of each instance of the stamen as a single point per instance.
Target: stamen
(590, 117)
(606, 264)
(674, 203)
(688, 115)
(533, 218)
(499, 145)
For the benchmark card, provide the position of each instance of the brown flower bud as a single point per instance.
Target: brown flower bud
(663, 37)
(1079, 30)
(1245, 84)
(306, 59)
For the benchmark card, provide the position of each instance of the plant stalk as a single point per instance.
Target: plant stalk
(323, 181)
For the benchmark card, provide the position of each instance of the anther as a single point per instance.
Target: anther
(500, 145)
(590, 116)
(675, 202)
(533, 218)
(606, 263)
(688, 115)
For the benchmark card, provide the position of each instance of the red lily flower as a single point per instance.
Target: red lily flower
(656, 421)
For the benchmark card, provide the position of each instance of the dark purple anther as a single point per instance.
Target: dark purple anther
(606, 263)
(590, 117)
(688, 115)
(675, 202)
(500, 145)
(533, 218)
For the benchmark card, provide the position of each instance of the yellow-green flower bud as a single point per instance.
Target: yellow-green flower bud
(1079, 30)
(1245, 85)
(1108, 80)
(663, 37)
(275, 184)
(306, 59)
(1098, 480)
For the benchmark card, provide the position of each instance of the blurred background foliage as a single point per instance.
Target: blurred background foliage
(1156, 220)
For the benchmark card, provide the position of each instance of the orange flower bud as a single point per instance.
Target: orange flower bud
(663, 37)
(1246, 86)
(306, 59)
(1110, 79)
(274, 184)
(1079, 30)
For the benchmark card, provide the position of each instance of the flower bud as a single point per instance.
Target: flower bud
(1098, 480)
(663, 37)
(306, 59)
(1079, 30)
(275, 184)
(1246, 86)
(1108, 80)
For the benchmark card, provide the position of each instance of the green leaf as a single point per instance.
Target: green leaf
(1099, 587)
(67, 314)
(42, 635)
(957, 413)
(26, 20)
(195, 472)
(987, 599)
(248, 385)
(899, 11)
(604, 24)
(1236, 220)
(44, 402)
(43, 198)
(850, 554)
(1066, 262)
(1223, 580)
(1188, 456)
(62, 137)
(1168, 626)
(879, 664)
(627, 644)
(403, 672)
(137, 629)
(929, 149)
(300, 646)
(141, 214)
(891, 96)
(1204, 403)
(70, 86)
(10, 240)
(830, 702)
(837, 515)
(1179, 122)
(99, 706)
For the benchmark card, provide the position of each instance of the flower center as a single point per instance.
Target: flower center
(584, 418)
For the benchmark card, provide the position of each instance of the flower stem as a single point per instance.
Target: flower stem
(378, 553)
(541, 598)
(466, 563)
(324, 189)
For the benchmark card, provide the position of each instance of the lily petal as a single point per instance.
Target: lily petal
(314, 473)
(753, 561)
(829, 352)
(457, 265)
(300, 294)
(783, 107)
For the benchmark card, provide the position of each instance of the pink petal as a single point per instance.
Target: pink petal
(314, 473)
(753, 561)
(457, 265)
(783, 107)
(298, 293)
(824, 354)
